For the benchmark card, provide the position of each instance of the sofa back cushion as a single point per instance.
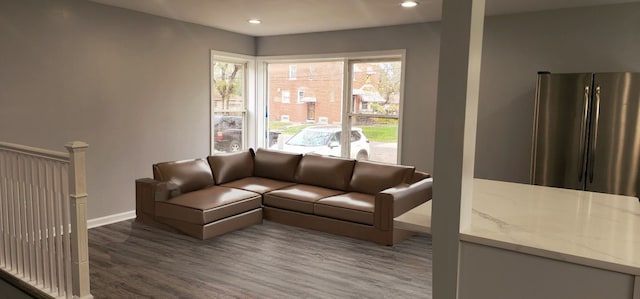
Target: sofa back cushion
(188, 175)
(371, 178)
(276, 165)
(231, 167)
(328, 172)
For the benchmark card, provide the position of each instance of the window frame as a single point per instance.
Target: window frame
(348, 59)
(300, 95)
(293, 72)
(249, 94)
(350, 114)
(288, 97)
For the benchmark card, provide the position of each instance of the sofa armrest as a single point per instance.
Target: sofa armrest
(395, 201)
(148, 191)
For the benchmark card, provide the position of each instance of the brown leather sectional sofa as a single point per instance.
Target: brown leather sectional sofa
(206, 198)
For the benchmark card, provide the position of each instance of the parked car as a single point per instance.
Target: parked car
(227, 133)
(325, 140)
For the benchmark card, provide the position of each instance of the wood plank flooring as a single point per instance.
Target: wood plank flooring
(132, 260)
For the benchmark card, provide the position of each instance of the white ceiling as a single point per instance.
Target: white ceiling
(303, 16)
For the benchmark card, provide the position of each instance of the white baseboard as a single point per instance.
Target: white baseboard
(91, 223)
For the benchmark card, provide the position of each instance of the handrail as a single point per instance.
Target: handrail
(34, 151)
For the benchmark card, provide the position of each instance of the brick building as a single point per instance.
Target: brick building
(312, 92)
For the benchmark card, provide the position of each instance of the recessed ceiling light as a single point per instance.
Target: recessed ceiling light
(254, 21)
(409, 3)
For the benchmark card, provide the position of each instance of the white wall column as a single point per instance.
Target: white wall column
(456, 118)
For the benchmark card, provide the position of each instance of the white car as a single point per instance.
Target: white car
(325, 140)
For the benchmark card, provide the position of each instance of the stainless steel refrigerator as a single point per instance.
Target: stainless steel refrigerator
(587, 132)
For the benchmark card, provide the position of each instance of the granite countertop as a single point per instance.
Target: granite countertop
(587, 228)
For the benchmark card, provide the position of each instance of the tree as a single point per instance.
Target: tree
(389, 80)
(226, 82)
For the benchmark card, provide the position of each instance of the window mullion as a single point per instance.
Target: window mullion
(345, 141)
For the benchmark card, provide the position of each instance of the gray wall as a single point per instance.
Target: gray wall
(422, 44)
(516, 47)
(134, 86)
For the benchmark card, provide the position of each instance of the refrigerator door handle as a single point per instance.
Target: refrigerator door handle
(583, 133)
(594, 141)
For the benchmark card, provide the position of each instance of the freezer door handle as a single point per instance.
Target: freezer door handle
(583, 133)
(594, 141)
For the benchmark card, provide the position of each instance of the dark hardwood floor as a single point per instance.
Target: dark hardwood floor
(132, 260)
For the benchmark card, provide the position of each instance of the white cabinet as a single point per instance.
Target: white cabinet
(494, 273)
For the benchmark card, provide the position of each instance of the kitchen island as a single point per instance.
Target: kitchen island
(528, 241)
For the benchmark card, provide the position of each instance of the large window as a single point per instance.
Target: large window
(375, 105)
(317, 121)
(228, 104)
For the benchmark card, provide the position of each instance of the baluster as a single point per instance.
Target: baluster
(35, 179)
(33, 190)
(57, 210)
(27, 229)
(44, 231)
(27, 208)
(3, 200)
(20, 217)
(51, 227)
(3, 208)
(66, 220)
(22, 199)
(12, 215)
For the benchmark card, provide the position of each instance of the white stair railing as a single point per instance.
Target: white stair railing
(43, 222)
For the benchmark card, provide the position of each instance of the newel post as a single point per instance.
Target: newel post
(78, 204)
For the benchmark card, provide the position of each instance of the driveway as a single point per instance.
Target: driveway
(383, 152)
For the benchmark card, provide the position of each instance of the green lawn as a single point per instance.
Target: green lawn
(277, 125)
(387, 133)
(295, 129)
(286, 127)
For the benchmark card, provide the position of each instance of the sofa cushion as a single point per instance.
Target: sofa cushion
(208, 205)
(258, 184)
(371, 178)
(298, 197)
(276, 165)
(328, 172)
(188, 175)
(352, 206)
(232, 166)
